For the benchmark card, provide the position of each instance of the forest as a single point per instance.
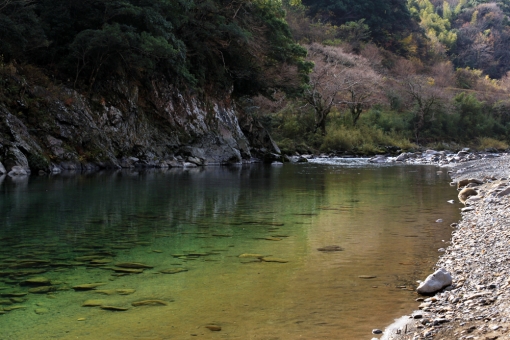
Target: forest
(340, 76)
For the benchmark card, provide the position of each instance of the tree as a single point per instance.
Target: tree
(437, 28)
(427, 99)
(222, 46)
(20, 29)
(361, 84)
(338, 79)
(388, 20)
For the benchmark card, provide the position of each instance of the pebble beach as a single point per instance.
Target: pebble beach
(477, 304)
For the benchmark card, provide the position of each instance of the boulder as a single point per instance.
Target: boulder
(17, 171)
(15, 158)
(435, 282)
(378, 159)
(464, 182)
(55, 169)
(402, 157)
(173, 163)
(465, 193)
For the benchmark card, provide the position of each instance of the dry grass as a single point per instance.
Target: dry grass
(491, 143)
(363, 139)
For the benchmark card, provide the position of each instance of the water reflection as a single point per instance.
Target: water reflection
(191, 226)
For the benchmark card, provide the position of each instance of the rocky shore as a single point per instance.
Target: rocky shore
(477, 304)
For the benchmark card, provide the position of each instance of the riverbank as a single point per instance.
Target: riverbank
(477, 305)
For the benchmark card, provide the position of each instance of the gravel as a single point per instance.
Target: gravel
(477, 304)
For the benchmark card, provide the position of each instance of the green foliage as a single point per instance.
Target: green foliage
(388, 20)
(355, 33)
(467, 78)
(437, 28)
(472, 123)
(201, 43)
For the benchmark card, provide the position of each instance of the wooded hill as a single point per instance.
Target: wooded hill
(336, 75)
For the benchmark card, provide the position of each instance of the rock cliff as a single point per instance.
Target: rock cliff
(153, 125)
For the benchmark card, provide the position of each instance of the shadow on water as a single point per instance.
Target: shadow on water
(169, 252)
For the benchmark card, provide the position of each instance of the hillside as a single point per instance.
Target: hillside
(96, 83)
(439, 80)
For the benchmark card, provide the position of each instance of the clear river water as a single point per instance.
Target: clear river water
(325, 250)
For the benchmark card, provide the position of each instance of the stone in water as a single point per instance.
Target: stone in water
(330, 248)
(173, 271)
(134, 265)
(114, 308)
(88, 286)
(37, 281)
(251, 256)
(274, 259)
(149, 303)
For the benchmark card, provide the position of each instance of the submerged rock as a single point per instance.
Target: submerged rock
(330, 248)
(37, 281)
(258, 256)
(42, 289)
(149, 303)
(274, 259)
(115, 308)
(134, 265)
(128, 270)
(88, 286)
(435, 282)
(41, 310)
(173, 270)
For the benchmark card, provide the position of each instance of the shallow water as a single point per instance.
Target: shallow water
(72, 229)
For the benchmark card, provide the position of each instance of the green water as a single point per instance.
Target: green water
(73, 229)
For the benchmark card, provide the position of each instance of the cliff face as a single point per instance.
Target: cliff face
(130, 126)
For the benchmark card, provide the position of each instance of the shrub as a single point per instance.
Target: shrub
(485, 143)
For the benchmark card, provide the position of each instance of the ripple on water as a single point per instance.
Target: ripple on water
(319, 250)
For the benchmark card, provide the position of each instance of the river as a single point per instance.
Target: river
(241, 248)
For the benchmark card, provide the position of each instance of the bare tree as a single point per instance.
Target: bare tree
(324, 87)
(338, 80)
(427, 99)
(361, 84)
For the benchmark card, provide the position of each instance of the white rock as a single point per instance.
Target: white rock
(402, 157)
(17, 171)
(378, 159)
(473, 199)
(2, 169)
(435, 282)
